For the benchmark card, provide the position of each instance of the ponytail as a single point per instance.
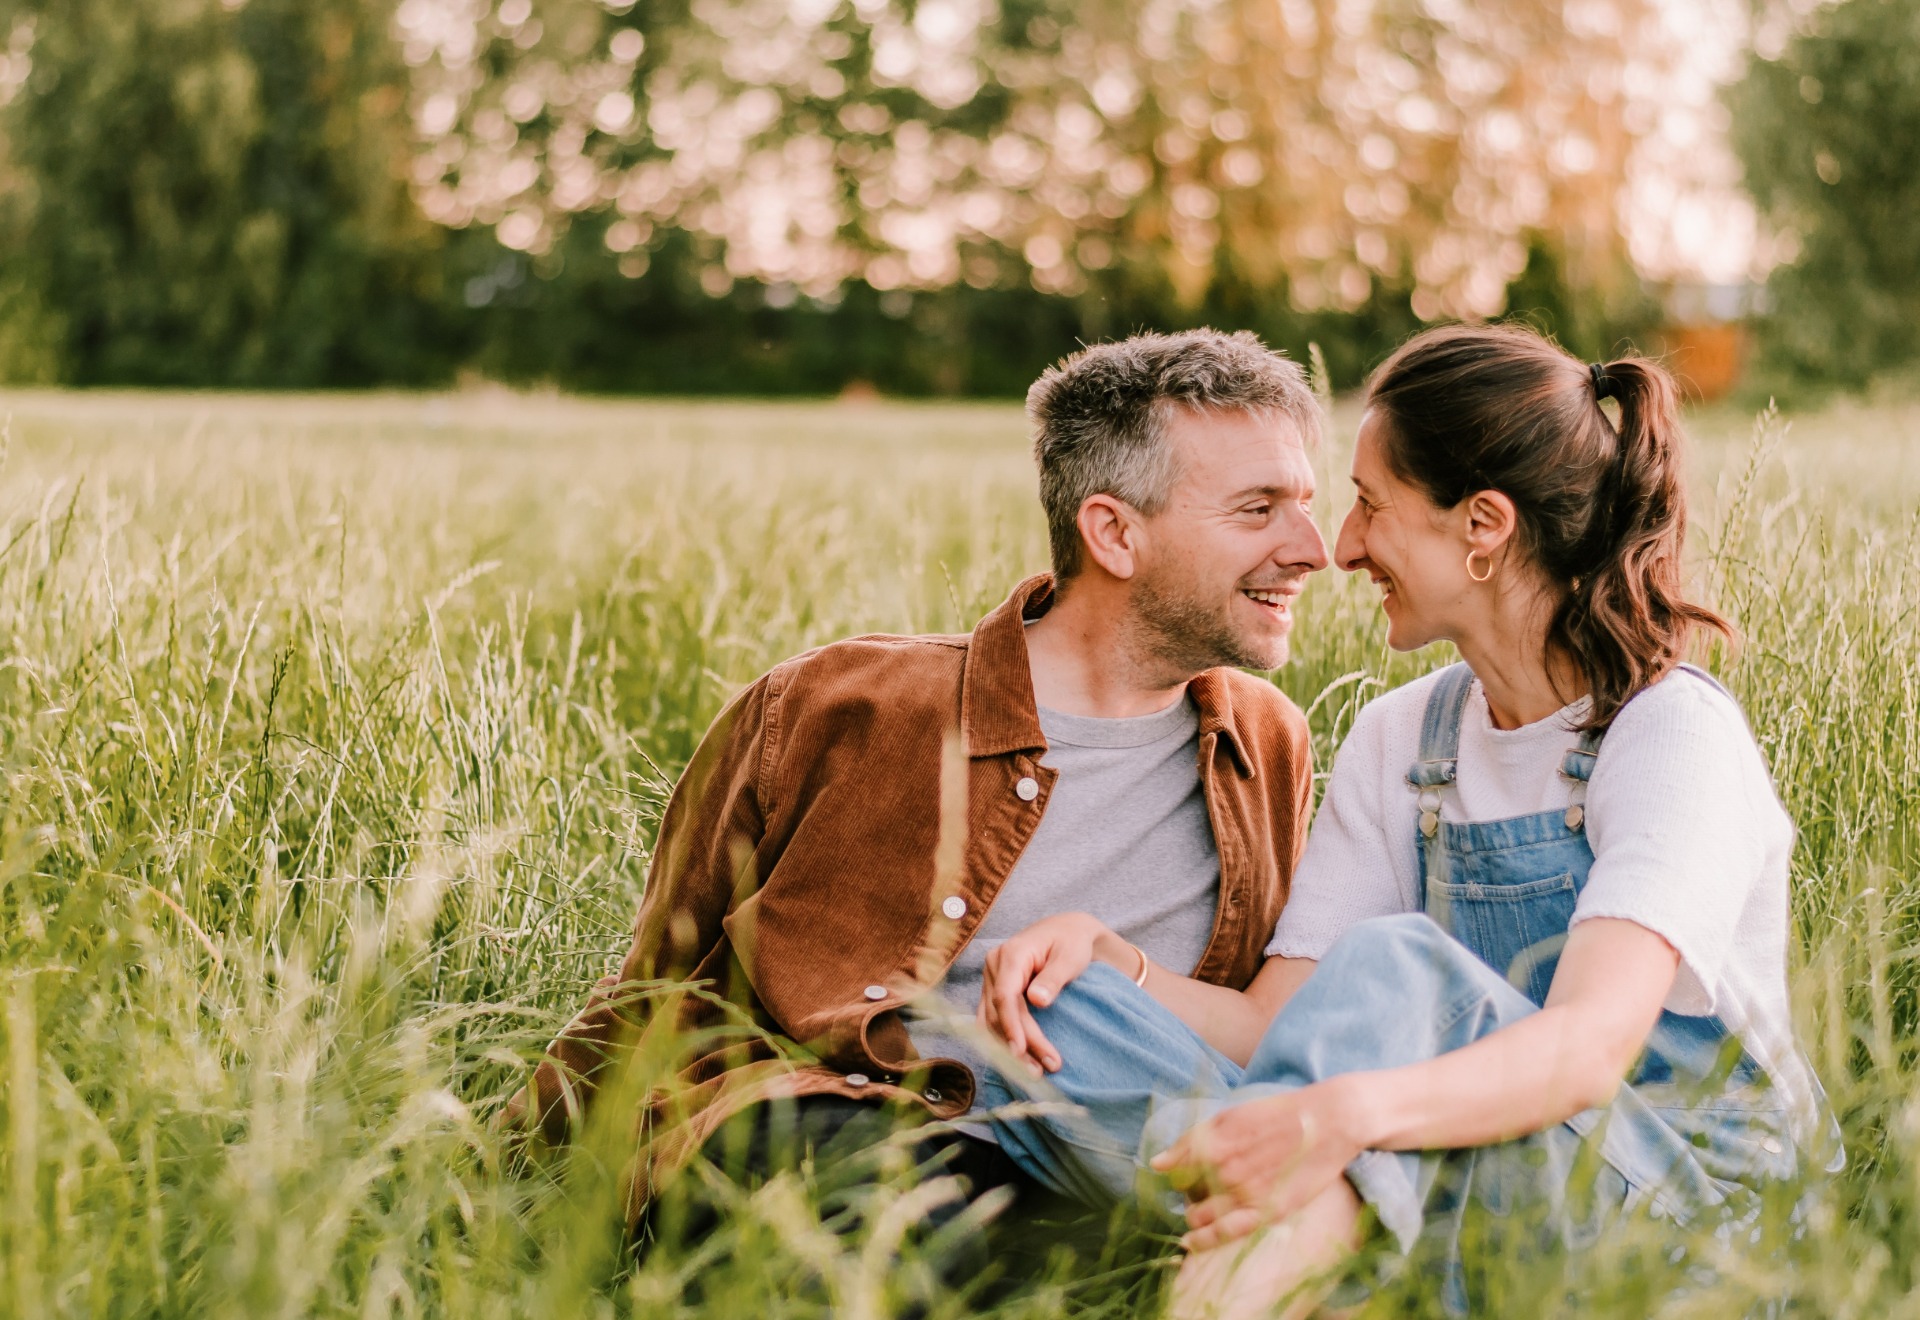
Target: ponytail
(1602, 509)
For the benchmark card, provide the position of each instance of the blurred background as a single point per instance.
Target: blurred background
(938, 197)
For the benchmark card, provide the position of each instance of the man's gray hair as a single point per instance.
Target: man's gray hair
(1100, 418)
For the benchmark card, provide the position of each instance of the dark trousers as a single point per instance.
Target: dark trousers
(831, 1130)
(847, 1148)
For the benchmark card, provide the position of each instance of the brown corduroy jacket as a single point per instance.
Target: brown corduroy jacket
(806, 869)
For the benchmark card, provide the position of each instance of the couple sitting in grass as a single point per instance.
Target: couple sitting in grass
(1529, 967)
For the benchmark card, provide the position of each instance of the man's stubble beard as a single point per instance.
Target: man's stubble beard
(1182, 632)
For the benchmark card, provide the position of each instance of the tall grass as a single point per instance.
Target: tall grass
(334, 735)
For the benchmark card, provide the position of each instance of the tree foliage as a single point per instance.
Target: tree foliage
(209, 193)
(1829, 133)
(1316, 150)
(932, 196)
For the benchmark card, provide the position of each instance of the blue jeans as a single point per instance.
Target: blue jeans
(1392, 991)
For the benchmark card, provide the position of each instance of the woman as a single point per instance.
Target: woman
(1555, 866)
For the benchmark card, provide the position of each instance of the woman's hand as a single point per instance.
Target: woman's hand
(1032, 968)
(1260, 1162)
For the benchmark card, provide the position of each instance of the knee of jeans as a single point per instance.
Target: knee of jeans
(1092, 1013)
(1087, 999)
(1407, 942)
(1401, 930)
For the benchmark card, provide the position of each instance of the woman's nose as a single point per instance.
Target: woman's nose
(1350, 551)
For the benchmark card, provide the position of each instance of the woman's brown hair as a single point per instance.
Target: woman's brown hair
(1602, 509)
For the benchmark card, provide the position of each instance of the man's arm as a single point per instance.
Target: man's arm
(703, 855)
(1033, 967)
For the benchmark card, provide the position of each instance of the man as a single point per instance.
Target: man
(863, 823)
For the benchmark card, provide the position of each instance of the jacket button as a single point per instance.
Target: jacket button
(1027, 789)
(856, 1079)
(955, 907)
(875, 992)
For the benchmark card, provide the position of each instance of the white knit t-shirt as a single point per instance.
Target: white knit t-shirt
(1688, 841)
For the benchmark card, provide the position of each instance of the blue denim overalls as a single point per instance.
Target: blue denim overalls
(1506, 889)
(1692, 1137)
(1697, 1129)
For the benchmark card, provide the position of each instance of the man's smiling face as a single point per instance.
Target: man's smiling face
(1228, 554)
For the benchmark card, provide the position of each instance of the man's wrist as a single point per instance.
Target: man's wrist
(1108, 947)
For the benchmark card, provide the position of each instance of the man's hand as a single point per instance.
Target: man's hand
(1259, 1162)
(1033, 968)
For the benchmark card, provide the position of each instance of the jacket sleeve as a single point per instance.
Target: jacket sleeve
(703, 855)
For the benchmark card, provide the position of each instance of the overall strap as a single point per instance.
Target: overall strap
(1578, 765)
(1440, 729)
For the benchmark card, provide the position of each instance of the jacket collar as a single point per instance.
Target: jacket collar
(1212, 694)
(997, 712)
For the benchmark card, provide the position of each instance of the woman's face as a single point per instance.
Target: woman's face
(1414, 552)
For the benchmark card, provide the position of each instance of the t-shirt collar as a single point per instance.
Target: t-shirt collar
(997, 713)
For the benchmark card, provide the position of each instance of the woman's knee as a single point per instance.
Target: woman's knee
(1408, 949)
(1393, 938)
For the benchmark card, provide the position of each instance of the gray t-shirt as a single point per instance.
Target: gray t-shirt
(1125, 837)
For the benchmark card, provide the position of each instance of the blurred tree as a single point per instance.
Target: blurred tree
(931, 196)
(1321, 153)
(202, 193)
(1828, 128)
(582, 323)
(1594, 319)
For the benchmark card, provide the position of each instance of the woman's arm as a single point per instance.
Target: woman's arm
(1570, 1056)
(1265, 1159)
(1033, 967)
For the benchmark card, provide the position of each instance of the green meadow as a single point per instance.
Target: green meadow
(335, 731)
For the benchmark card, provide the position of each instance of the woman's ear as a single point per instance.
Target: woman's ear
(1111, 531)
(1491, 522)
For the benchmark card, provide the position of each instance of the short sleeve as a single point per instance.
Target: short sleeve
(1677, 818)
(1347, 872)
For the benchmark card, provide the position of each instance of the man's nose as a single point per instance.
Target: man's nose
(1307, 549)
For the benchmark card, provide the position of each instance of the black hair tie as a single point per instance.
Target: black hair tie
(1604, 386)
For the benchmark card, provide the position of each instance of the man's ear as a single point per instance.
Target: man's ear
(1491, 523)
(1110, 528)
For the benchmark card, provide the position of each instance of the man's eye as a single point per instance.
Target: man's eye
(1259, 510)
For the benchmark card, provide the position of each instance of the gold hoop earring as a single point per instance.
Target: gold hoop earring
(1470, 572)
